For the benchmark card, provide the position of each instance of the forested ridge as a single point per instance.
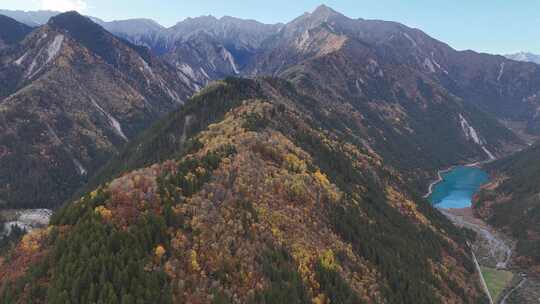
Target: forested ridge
(258, 202)
(511, 203)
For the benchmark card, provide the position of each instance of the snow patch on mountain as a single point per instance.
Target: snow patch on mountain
(21, 59)
(51, 51)
(428, 64)
(170, 93)
(186, 69)
(82, 171)
(112, 121)
(183, 77)
(30, 70)
(373, 67)
(358, 83)
(489, 154)
(204, 73)
(501, 72)
(228, 56)
(43, 36)
(437, 64)
(147, 68)
(54, 48)
(55, 137)
(471, 133)
(410, 39)
(300, 45)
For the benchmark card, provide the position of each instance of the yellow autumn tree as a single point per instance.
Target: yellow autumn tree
(31, 241)
(159, 252)
(297, 188)
(193, 261)
(321, 178)
(328, 260)
(320, 299)
(332, 192)
(105, 213)
(293, 163)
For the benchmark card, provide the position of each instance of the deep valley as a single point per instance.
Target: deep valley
(223, 160)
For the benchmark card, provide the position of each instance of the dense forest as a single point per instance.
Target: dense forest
(257, 201)
(512, 203)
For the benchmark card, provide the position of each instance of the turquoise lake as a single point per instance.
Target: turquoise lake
(458, 187)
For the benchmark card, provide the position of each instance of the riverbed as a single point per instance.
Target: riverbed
(25, 219)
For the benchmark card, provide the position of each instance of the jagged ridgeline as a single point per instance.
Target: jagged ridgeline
(72, 95)
(245, 196)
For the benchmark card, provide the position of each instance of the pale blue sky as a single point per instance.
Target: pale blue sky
(494, 26)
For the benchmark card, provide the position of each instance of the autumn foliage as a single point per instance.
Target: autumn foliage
(268, 208)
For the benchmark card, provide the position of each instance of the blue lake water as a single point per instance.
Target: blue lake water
(458, 187)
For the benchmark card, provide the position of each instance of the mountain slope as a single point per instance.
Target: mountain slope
(71, 95)
(501, 87)
(394, 108)
(212, 48)
(207, 48)
(511, 203)
(12, 31)
(397, 107)
(267, 205)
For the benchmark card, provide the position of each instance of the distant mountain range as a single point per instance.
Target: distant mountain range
(524, 56)
(30, 18)
(12, 31)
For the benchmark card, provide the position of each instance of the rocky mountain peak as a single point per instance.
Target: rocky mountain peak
(79, 26)
(93, 36)
(325, 12)
(320, 16)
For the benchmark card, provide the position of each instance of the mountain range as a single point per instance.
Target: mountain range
(13, 31)
(524, 56)
(230, 161)
(71, 95)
